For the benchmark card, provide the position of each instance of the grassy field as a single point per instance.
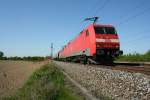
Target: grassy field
(13, 75)
(135, 57)
(46, 83)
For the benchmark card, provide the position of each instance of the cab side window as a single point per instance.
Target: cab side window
(87, 33)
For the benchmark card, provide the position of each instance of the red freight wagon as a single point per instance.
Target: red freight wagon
(97, 42)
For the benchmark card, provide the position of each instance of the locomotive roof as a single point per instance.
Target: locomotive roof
(100, 25)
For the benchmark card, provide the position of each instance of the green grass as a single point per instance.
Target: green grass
(135, 57)
(46, 83)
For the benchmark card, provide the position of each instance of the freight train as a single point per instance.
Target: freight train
(96, 43)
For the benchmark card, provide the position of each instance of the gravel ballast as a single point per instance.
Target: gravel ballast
(114, 84)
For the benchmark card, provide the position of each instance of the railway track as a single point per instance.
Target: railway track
(134, 67)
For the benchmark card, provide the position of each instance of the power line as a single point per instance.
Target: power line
(134, 8)
(134, 16)
(102, 7)
(134, 43)
(90, 10)
(138, 37)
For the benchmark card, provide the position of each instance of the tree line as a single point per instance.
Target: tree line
(28, 58)
(1, 54)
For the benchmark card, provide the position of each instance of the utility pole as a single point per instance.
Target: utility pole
(51, 50)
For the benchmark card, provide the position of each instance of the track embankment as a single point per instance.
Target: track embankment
(109, 84)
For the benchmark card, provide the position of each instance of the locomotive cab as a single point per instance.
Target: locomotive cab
(107, 42)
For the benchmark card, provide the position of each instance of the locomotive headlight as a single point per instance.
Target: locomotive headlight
(97, 45)
(117, 46)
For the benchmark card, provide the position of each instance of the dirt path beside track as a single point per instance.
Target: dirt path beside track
(13, 75)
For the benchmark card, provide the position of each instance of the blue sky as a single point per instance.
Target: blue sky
(28, 27)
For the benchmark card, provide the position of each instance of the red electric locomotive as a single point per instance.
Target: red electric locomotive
(96, 42)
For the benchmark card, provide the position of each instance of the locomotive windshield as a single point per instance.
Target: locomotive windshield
(105, 30)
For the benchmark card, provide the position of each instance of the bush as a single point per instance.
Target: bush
(1, 54)
(135, 57)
